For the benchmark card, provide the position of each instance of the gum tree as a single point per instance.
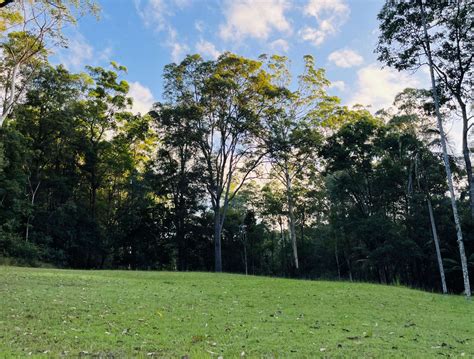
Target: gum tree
(438, 34)
(291, 130)
(228, 97)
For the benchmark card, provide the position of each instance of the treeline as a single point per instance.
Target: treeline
(280, 177)
(241, 168)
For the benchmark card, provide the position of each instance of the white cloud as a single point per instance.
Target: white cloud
(338, 85)
(315, 36)
(280, 45)
(330, 16)
(255, 19)
(77, 54)
(207, 48)
(346, 58)
(377, 87)
(318, 8)
(142, 97)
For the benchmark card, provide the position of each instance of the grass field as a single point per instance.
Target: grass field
(54, 313)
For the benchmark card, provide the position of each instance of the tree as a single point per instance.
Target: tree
(374, 203)
(403, 44)
(229, 95)
(44, 121)
(405, 38)
(414, 117)
(273, 214)
(179, 173)
(33, 26)
(22, 57)
(101, 114)
(291, 134)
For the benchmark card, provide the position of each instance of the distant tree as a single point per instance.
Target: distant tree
(45, 121)
(291, 130)
(414, 116)
(273, 213)
(101, 113)
(178, 171)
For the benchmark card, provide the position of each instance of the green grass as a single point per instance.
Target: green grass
(52, 313)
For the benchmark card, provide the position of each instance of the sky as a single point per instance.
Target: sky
(145, 35)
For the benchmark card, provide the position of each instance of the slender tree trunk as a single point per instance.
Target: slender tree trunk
(181, 211)
(33, 197)
(181, 242)
(217, 240)
(382, 275)
(243, 239)
(349, 268)
(272, 253)
(462, 253)
(245, 259)
(337, 259)
(291, 219)
(466, 154)
(436, 242)
(283, 245)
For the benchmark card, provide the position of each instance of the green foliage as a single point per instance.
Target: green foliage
(72, 150)
(231, 153)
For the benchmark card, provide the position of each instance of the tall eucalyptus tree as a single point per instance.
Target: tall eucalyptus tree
(415, 35)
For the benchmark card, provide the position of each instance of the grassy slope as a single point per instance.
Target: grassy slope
(173, 314)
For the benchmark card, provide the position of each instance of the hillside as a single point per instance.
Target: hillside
(46, 312)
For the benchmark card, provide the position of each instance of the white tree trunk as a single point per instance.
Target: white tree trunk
(462, 253)
(10, 101)
(438, 250)
(291, 219)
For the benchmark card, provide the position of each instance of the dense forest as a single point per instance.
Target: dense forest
(244, 166)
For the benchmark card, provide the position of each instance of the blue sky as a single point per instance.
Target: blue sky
(145, 35)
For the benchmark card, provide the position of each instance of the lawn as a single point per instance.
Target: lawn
(110, 314)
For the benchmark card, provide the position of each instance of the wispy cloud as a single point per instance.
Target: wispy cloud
(199, 25)
(178, 49)
(330, 16)
(80, 53)
(155, 14)
(280, 45)
(77, 54)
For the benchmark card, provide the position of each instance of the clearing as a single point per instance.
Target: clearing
(52, 313)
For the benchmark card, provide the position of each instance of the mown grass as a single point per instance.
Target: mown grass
(54, 313)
